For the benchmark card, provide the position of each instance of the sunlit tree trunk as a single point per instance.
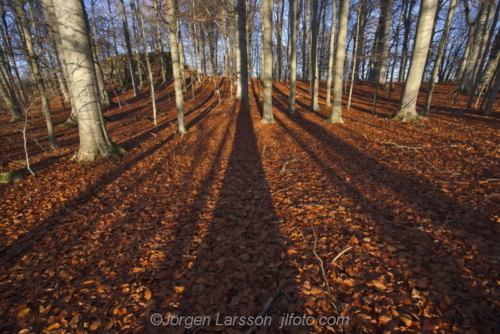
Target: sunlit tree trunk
(176, 66)
(331, 54)
(293, 55)
(384, 44)
(336, 116)
(314, 51)
(439, 57)
(76, 51)
(241, 51)
(408, 105)
(267, 54)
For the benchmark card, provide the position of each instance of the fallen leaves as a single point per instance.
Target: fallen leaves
(217, 220)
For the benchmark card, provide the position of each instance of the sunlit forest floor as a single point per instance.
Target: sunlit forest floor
(234, 213)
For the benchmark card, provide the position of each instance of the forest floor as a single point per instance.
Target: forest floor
(393, 225)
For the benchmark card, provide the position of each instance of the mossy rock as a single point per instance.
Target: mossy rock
(14, 176)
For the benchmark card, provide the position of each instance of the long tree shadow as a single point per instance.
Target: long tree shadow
(237, 261)
(388, 199)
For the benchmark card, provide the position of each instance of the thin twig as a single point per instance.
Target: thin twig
(286, 163)
(401, 146)
(266, 308)
(319, 259)
(440, 170)
(340, 254)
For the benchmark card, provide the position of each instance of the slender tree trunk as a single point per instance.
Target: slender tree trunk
(176, 66)
(336, 116)
(293, 55)
(439, 57)
(494, 92)
(354, 53)
(35, 71)
(241, 51)
(13, 109)
(493, 61)
(151, 80)
(407, 108)
(314, 58)
(73, 30)
(384, 44)
(128, 46)
(267, 54)
(331, 53)
(468, 77)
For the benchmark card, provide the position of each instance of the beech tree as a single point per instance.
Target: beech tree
(126, 34)
(241, 52)
(408, 106)
(176, 66)
(336, 115)
(35, 69)
(293, 55)
(72, 29)
(267, 54)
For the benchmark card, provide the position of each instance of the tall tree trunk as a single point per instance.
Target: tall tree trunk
(331, 53)
(35, 70)
(384, 44)
(314, 58)
(406, 38)
(493, 61)
(408, 106)
(241, 51)
(478, 44)
(267, 54)
(176, 66)
(336, 116)
(72, 26)
(439, 56)
(494, 92)
(151, 80)
(293, 55)
(128, 46)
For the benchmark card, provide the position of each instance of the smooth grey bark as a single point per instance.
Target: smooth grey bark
(384, 44)
(336, 115)
(358, 19)
(128, 46)
(293, 55)
(13, 109)
(439, 56)
(267, 54)
(35, 70)
(176, 66)
(136, 33)
(72, 28)
(478, 43)
(493, 61)
(241, 51)
(148, 63)
(408, 105)
(408, 9)
(331, 53)
(488, 110)
(314, 57)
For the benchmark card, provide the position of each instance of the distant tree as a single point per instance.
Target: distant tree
(408, 106)
(13, 109)
(336, 116)
(35, 69)
(267, 54)
(128, 46)
(72, 29)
